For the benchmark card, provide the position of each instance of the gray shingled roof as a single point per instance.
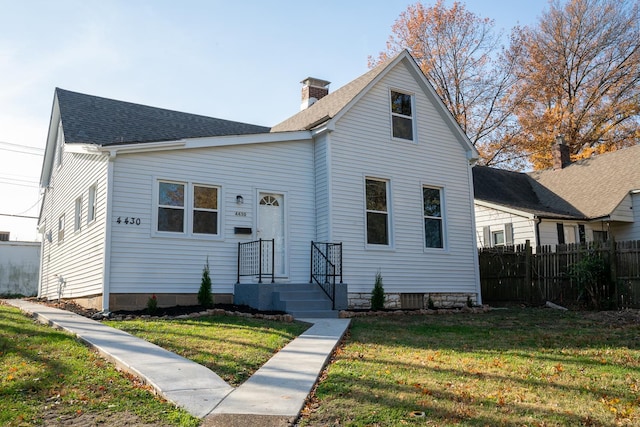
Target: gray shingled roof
(519, 191)
(596, 185)
(91, 119)
(589, 189)
(329, 106)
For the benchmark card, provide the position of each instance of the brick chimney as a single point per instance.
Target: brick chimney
(560, 152)
(313, 90)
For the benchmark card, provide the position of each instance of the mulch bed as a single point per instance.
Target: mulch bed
(159, 312)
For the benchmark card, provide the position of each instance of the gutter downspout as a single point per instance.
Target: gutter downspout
(538, 221)
(106, 267)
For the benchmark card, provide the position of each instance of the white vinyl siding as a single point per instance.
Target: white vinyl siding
(516, 229)
(79, 260)
(360, 147)
(144, 262)
(628, 230)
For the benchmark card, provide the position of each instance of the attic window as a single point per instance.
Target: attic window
(402, 115)
(4, 236)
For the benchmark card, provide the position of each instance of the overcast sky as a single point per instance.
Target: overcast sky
(237, 60)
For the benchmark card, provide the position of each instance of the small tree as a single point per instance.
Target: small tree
(205, 297)
(152, 304)
(377, 295)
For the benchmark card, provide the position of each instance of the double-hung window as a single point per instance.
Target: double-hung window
(171, 207)
(91, 204)
(402, 115)
(205, 209)
(377, 208)
(188, 208)
(432, 210)
(61, 229)
(78, 215)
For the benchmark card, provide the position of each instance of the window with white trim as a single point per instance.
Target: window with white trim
(188, 208)
(61, 229)
(432, 211)
(78, 215)
(91, 205)
(205, 209)
(377, 211)
(497, 238)
(402, 115)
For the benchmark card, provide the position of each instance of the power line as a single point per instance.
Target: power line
(19, 216)
(31, 207)
(33, 185)
(22, 149)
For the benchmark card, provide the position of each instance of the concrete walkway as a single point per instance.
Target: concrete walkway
(273, 396)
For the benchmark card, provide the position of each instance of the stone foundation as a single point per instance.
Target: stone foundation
(93, 302)
(395, 301)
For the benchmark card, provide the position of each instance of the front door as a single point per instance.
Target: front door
(271, 226)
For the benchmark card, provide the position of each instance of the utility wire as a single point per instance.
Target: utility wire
(19, 216)
(22, 149)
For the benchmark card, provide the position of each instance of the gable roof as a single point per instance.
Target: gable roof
(335, 104)
(519, 191)
(89, 119)
(330, 105)
(587, 189)
(596, 185)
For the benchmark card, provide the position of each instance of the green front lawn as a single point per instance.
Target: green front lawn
(47, 375)
(520, 367)
(232, 347)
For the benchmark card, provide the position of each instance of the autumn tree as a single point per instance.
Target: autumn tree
(459, 53)
(578, 72)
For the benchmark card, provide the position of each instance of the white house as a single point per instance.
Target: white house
(138, 198)
(588, 200)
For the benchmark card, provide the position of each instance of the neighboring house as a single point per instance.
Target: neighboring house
(588, 200)
(137, 198)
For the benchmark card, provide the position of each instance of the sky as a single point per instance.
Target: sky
(236, 60)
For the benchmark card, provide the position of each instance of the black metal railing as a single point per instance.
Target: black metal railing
(256, 259)
(326, 266)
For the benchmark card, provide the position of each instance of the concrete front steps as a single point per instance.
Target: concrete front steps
(303, 300)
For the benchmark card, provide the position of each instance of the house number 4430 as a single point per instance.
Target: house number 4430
(128, 220)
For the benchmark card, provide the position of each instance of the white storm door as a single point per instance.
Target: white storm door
(271, 226)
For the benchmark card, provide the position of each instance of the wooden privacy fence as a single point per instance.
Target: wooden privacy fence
(517, 274)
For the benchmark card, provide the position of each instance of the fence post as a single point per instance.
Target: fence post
(613, 269)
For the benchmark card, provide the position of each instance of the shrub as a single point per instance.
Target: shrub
(377, 294)
(205, 298)
(152, 304)
(592, 275)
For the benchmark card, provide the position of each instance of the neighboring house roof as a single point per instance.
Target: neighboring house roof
(587, 189)
(89, 119)
(518, 191)
(596, 185)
